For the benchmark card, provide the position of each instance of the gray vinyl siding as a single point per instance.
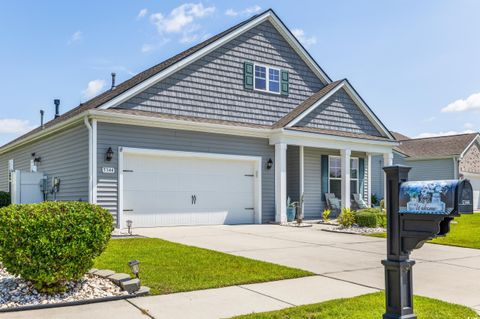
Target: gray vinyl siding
(377, 175)
(212, 87)
(313, 183)
(339, 112)
(293, 173)
(422, 170)
(431, 169)
(64, 154)
(116, 135)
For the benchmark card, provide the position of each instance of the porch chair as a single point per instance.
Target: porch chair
(333, 203)
(358, 202)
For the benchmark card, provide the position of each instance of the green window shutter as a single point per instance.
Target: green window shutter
(324, 170)
(248, 75)
(284, 82)
(361, 175)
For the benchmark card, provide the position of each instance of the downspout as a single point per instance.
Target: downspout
(90, 166)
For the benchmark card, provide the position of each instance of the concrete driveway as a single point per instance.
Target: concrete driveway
(447, 273)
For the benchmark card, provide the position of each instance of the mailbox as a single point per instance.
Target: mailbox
(417, 211)
(426, 209)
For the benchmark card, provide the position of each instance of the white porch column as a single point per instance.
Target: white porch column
(345, 160)
(302, 178)
(281, 183)
(387, 161)
(369, 179)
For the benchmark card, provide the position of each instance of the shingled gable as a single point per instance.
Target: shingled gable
(294, 118)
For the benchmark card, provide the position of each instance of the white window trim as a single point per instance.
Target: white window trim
(357, 179)
(267, 78)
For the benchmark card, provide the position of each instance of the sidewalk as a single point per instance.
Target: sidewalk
(211, 303)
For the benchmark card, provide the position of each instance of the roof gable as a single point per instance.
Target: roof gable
(212, 87)
(336, 107)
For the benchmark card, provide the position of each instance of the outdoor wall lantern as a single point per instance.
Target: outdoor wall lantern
(134, 267)
(109, 154)
(269, 163)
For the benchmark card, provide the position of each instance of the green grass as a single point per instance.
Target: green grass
(366, 307)
(464, 233)
(168, 267)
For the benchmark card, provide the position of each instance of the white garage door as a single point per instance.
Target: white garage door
(164, 190)
(475, 181)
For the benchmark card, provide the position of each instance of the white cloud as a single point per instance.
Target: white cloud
(306, 41)
(147, 48)
(246, 12)
(76, 37)
(469, 125)
(15, 126)
(423, 135)
(430, 119)
(142, 13)
(93, 88)
(470, 103)
(181, 19)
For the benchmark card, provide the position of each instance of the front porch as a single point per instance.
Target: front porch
(314, 171)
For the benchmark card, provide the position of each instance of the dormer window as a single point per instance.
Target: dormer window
(267, 79)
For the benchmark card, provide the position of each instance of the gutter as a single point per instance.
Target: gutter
(47, 131)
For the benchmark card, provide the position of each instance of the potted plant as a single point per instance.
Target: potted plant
(291, 210)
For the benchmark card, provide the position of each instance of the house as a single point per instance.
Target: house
(442, 157)
(223, 132)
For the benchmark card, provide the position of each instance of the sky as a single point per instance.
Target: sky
(415, 63)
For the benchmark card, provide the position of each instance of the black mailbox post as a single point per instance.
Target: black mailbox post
(416, 212)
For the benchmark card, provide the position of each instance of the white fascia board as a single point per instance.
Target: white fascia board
(367, 111)
(269, 15)
(315, 105)
(477, 138)
(142, 120)
(331, 142)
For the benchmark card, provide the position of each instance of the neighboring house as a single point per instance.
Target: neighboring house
(443, 157)
(223, 132)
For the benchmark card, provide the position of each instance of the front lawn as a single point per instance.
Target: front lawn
(366, 307)
(168, 267)
(464, 233)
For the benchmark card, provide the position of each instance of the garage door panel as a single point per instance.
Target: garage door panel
(158, 190)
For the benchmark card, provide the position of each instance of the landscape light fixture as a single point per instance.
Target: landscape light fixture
(134, 267)
(129, 226)
(109, 154)
(269, 163)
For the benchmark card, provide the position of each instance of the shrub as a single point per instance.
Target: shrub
(4, 199)
(346, 218)
(51, 243)
(374, 199)
(326, 215)
(379, 215)
(382, 204)
(366, 220)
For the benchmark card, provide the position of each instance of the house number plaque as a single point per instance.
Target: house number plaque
(108, 170)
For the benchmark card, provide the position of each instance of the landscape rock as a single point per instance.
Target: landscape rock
(131, 285)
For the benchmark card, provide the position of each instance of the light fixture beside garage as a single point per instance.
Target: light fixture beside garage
(109, 154)
(269, 163)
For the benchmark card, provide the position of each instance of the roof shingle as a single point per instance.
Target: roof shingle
(435, 147)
